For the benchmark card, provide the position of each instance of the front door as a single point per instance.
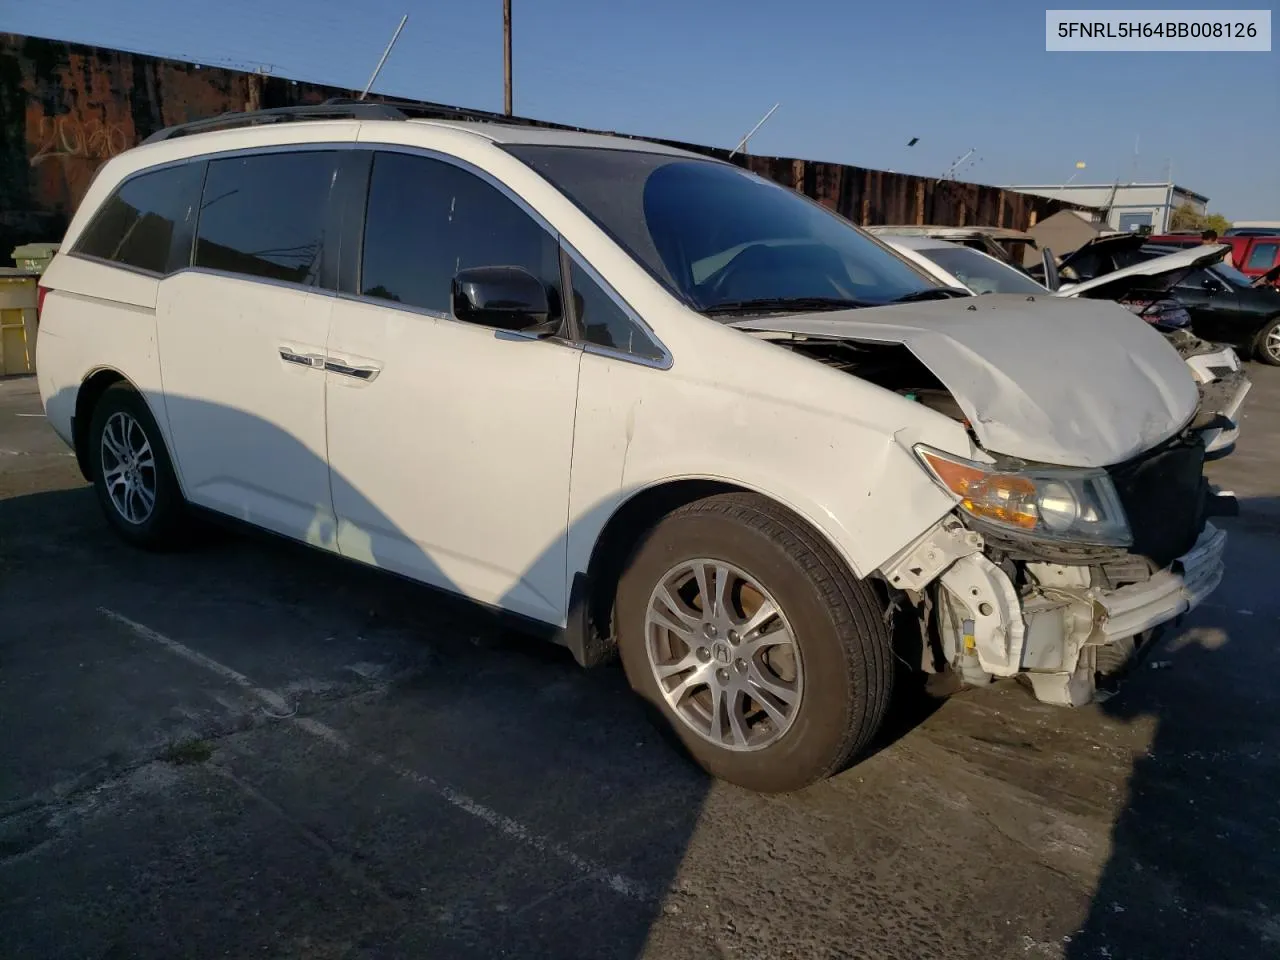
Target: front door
(450, 443)
(242, 338)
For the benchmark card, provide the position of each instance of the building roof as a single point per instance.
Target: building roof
(1108, 186)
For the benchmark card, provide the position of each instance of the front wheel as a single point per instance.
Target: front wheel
(131, 471)
(769, 660)
(1267, 346)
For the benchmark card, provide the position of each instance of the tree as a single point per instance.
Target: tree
(1216, 221)
(1186, 217)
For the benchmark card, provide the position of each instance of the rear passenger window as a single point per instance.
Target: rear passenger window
(606, 324)
(428, 219)
(145, 222)
(263, 216)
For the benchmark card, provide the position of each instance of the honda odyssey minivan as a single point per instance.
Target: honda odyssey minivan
(647, 400)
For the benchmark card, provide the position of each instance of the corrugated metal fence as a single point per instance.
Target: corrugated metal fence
(66, 108)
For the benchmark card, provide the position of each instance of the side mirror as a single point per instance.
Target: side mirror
(508, 298)
(1051, 278)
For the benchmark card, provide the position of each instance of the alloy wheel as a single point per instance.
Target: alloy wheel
(129, 468)
(723, 654)
(1273, 343)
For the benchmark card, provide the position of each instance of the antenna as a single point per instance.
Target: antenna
(385, 53)
(742, 144)
(959, 160)
(506, 57)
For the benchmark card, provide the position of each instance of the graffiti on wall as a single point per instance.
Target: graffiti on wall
(68, 137)
(64, 152)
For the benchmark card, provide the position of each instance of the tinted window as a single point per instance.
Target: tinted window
(604, 323)
(1196, 280)
(428, 219)
(264, 215)
(716, 235)
(138, 225)
(1263, 256)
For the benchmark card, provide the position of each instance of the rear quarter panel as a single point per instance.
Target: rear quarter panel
(81, 332)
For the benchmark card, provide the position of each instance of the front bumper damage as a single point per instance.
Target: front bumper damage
(1060, 628)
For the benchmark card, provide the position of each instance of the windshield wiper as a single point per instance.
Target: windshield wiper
(933, 293)
(784, 305)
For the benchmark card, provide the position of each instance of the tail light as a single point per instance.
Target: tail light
(41, 291)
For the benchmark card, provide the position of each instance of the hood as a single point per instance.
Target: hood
(1072, 383)
(1158, 273)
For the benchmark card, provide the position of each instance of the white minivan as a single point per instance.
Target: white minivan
(644, 398)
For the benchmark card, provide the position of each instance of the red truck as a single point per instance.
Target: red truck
(1257, 257)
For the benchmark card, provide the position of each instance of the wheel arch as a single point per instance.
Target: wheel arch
(87, 396)
(589, 630)
(1258, 346)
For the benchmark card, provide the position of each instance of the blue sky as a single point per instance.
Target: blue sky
(856, 80)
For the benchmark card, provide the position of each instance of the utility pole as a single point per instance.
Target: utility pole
(506, 57)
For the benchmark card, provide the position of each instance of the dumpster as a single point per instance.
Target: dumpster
(19, 296)
(34, 256)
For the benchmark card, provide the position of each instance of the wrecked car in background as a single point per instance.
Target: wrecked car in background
(1225, 304)
(677, 411)
(1004, 243)
(1217, 369)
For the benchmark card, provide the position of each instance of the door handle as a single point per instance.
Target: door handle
(313, 360)
(366, 374)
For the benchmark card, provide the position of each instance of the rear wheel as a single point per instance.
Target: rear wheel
(131, 471)
(740, 626)
(1267, 346)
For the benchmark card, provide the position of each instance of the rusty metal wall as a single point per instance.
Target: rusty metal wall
(66, 108)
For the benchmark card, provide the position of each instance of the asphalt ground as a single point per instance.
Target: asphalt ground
(248, 749)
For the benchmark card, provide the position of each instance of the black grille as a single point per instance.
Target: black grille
(1163, 494)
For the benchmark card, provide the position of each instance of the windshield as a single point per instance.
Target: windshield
(1231, 275)
(722, 239)
(980, 272)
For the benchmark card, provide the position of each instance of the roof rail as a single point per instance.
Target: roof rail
(336, 108)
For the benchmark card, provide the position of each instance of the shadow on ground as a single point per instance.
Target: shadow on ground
(488, 797)
(1195, 864)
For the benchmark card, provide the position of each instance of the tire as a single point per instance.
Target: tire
(122, 410)
(844, 676)
(1268, 355)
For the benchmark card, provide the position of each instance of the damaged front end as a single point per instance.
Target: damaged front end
(1091, 526)
(1000, 594)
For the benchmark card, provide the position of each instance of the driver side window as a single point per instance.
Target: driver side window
(428, 219)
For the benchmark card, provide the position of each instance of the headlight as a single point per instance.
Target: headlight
(1054, 503)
